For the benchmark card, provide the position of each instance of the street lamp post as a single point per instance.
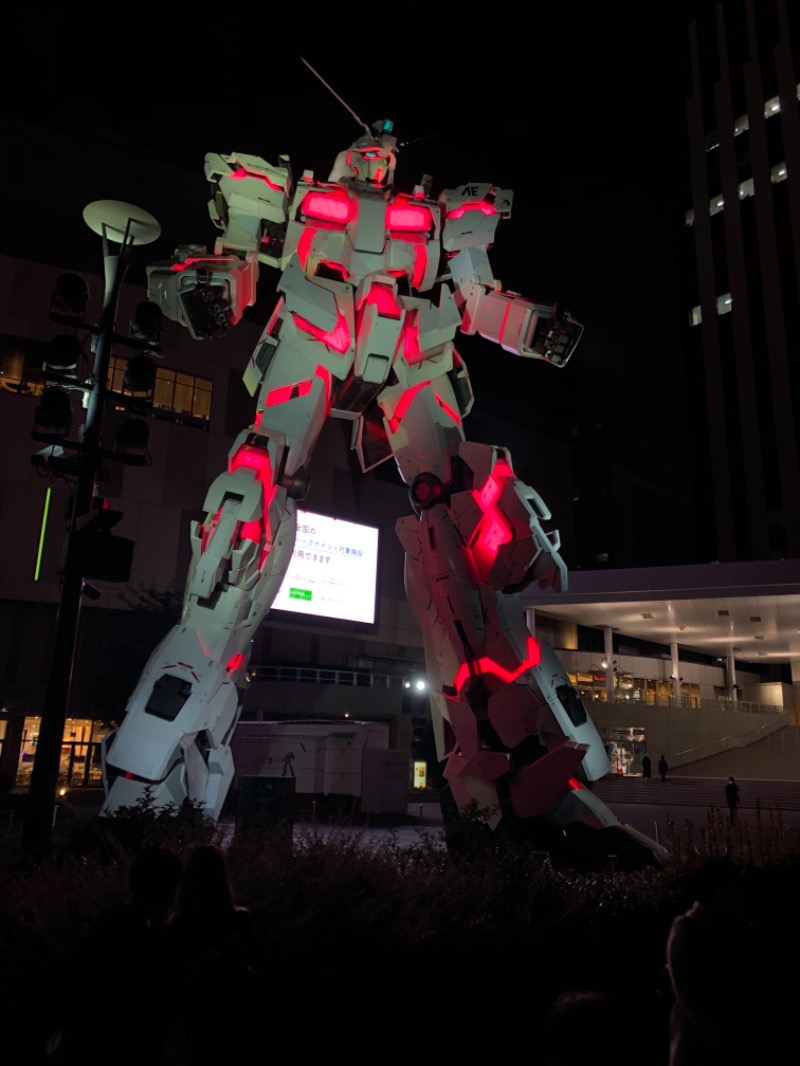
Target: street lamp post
(121, 225)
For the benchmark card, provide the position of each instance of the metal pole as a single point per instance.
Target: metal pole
(40, 807)
(124, 226)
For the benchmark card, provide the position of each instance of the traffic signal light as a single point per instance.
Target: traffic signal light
(95, 552)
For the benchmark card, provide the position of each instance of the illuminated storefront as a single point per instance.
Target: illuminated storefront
(591, 685)
(625, 748)
(80, 764)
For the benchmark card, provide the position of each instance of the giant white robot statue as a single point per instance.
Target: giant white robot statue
(374, 285)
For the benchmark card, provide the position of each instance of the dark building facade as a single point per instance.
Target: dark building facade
(741, 278)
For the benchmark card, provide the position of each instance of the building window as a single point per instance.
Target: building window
(746, 189)
(771, 107)
(80, 763)
(21, 362)
(724, 304)
(176, 396)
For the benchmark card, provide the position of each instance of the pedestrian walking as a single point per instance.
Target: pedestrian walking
(732, 796)
(663, 768)
(647, 767)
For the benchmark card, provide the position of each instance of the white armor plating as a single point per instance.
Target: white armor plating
(374, 286)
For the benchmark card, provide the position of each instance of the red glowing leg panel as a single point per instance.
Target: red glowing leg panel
(501, 520)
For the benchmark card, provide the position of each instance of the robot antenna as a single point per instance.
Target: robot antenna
(359, 120)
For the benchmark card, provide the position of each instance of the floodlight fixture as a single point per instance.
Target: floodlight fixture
(140, 374)
(63, 352)
(70, 296)
(55, 410)
(148, 323)
(132, 433)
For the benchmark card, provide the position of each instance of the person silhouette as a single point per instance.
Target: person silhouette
(715, 959)
(128, 947)
(732, 797)
(573, 1022)
(647, 768)
(663, 768)
(212, 935)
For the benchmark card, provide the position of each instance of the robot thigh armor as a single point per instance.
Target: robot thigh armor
(499, 519)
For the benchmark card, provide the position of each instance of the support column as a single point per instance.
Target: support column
(676, 672)
(732, 689)
(608, 637)
(795, 668)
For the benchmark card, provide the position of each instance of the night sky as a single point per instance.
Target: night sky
(579, 115)
(582, 117)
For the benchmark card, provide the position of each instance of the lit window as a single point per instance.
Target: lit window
(21, 363)
(724, 304)
(716, 205)
(746, 189)
(689, 217)
(176, 396)
(778, 173)
(712, 141)
(742, 124)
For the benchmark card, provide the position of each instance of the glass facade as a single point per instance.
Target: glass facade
(176, 396)
(80, 764)
(592, 687)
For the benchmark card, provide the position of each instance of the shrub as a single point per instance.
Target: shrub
(337, 912)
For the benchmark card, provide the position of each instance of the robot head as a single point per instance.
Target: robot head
(371, 159)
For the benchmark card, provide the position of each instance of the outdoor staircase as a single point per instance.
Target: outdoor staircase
(772, 758)
(768, 774)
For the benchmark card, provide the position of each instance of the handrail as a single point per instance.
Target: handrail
(369, 679)
(326, 676)
(699, 703)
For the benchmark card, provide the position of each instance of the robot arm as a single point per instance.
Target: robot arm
(531, 330)
(208, 293)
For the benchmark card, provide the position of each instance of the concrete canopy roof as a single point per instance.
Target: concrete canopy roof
(749, 610)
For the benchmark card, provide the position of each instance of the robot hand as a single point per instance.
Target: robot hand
(206, 293)
(554, 336)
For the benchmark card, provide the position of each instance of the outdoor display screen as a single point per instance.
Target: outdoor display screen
(333, 572)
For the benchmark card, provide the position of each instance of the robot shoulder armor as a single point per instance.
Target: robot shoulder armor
(490, 199)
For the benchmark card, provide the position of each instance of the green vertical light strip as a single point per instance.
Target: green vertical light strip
(42, 531)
